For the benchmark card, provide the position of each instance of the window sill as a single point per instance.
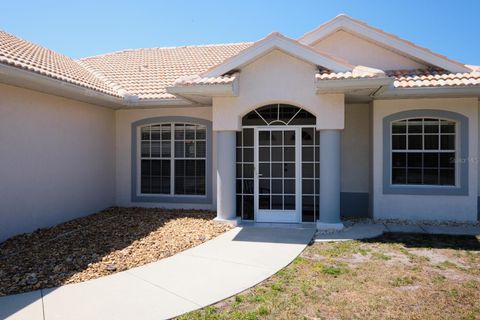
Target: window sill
(425, 190)
(171, 199)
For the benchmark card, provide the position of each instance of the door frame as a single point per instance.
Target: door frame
(279, 216)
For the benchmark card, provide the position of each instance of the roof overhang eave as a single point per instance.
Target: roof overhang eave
(458, 91)
(349, 85)
(30, 80)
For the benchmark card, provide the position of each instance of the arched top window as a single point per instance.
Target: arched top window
(278, 115)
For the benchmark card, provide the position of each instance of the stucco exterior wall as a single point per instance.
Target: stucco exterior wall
(355, 148)
(425, 207)
(124, 120)
(57, 160)
(358, 51)
(278, 78)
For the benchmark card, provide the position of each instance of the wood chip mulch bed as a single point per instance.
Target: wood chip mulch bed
(110, 241)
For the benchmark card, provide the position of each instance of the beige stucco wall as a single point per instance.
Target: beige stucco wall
(124, 120)
(56, 159)
(356, 148)
(358, 51)
(278, 78)
(424, 207)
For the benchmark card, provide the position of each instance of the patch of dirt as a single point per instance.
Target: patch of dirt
(435, 257)
(356, 258)
(104, 243)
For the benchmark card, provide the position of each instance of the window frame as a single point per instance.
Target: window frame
(137, 195)
(461, 152)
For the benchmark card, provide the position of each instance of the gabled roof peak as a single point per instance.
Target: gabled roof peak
(382, 38)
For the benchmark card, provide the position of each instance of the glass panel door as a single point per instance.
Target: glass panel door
(277, 175)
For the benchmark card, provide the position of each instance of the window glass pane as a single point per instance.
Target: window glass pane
(201, 133)
(248, 137)
(431, 142)
(289, 202)
(414, 176)
(430, 160)
(447, 160)
(277, 202)
(189, 149)
(307, 153)
(277, 170)
(248, 207)
(248, 171)
(179, 168)
(399, 176)
(179, 149)
(414, 142)
(447, 126)
(248, 186)
(155, 149)
(287, 112)
(399, 142)
(155, 133)
(447, 142)
(414, 160)
(430, 176)
(415, 126)
(239, 155)
(431, 125)
(447, 177)
(264, 186)
(289, 170)
(264, 202)
(289, 153)
(307, 170)
(269, 113)
(264, 170)
(264, 138)
(303, 118)
(399, 159)
(308, 208)
(263, 154)
(277, 138)
(277, 153)
(247, 154)
(145, 133)
(289, 138)
(289, 186)
(200, 149)
(399, 126)
(189, 131)
(166, 149)
(307, 136)
(252, 119)
(308, 186)
(277, 186)
(179, 131)
(239, 138)
(166, 132)
(145, 149)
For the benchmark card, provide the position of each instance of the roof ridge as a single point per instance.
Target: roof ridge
(164, 48)
(102, 77)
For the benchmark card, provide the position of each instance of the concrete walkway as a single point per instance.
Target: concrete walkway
(208, 273)
(359, 231)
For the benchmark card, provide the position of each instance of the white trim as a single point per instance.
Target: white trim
(280, 42)
(272, 215)
(406, 48)
(347, 85)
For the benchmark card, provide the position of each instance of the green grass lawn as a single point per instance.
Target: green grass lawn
(397, 276)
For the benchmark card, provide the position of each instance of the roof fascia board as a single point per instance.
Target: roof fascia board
(279, 42)
(210, 90)
(392, 93)
(386, 40)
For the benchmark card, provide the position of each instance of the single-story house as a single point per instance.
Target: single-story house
(347, 120)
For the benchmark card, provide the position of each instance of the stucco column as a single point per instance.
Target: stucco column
(330, 166)
(226, 200)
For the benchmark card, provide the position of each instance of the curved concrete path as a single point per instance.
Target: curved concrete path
(208, 273)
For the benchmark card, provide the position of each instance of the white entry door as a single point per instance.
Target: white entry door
(277, 174)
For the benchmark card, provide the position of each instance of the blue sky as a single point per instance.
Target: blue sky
(88, 27)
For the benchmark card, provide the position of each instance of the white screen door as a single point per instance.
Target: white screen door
(277, 174)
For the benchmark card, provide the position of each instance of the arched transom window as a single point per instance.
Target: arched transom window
(423, 151)
(278, 114)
